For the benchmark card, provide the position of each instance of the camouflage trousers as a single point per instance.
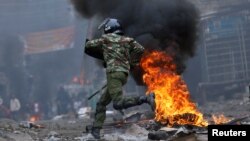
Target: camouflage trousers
(115, 81)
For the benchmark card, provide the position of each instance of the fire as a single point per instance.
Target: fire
(173, 104)
(34, 118)
(220, 119)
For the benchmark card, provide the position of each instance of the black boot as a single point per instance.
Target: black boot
(96, 132)
(149, 99)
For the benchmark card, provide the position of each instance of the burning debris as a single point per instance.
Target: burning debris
(220, 119)
(27, 124)
(173, 104)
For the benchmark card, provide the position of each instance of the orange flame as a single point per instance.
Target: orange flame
(220, 119)
(173, 105)
(34, 118)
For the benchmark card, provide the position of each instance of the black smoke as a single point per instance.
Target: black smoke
(169, 25)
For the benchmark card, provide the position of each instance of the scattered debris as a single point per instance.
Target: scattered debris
(8, 125)
(84, 113)
(245, 123)
(136, 130)
(168, 129)
(53, 136)
(152, 125)
(237, 120)
(27, 124)
(176, 133)
(14, 136)
(132, 133)
(133, 117)
(134, 127)
(182, 131)
(158, 135)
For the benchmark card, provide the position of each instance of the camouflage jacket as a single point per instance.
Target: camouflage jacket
(118, 52)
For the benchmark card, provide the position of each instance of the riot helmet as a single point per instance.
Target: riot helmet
(111, 25)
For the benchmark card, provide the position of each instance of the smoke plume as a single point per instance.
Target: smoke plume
(169, 25)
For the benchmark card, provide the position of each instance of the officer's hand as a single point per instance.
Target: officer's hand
(104, 64)
(86, 41)
(85, 50)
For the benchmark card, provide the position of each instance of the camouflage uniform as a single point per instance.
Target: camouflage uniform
(119, 53)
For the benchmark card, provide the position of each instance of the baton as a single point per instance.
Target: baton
(97, 92)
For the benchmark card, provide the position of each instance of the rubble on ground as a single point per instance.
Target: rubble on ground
(135, 126)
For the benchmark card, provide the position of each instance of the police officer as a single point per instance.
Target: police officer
(120, 54)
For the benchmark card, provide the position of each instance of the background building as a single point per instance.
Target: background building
(225, 49)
